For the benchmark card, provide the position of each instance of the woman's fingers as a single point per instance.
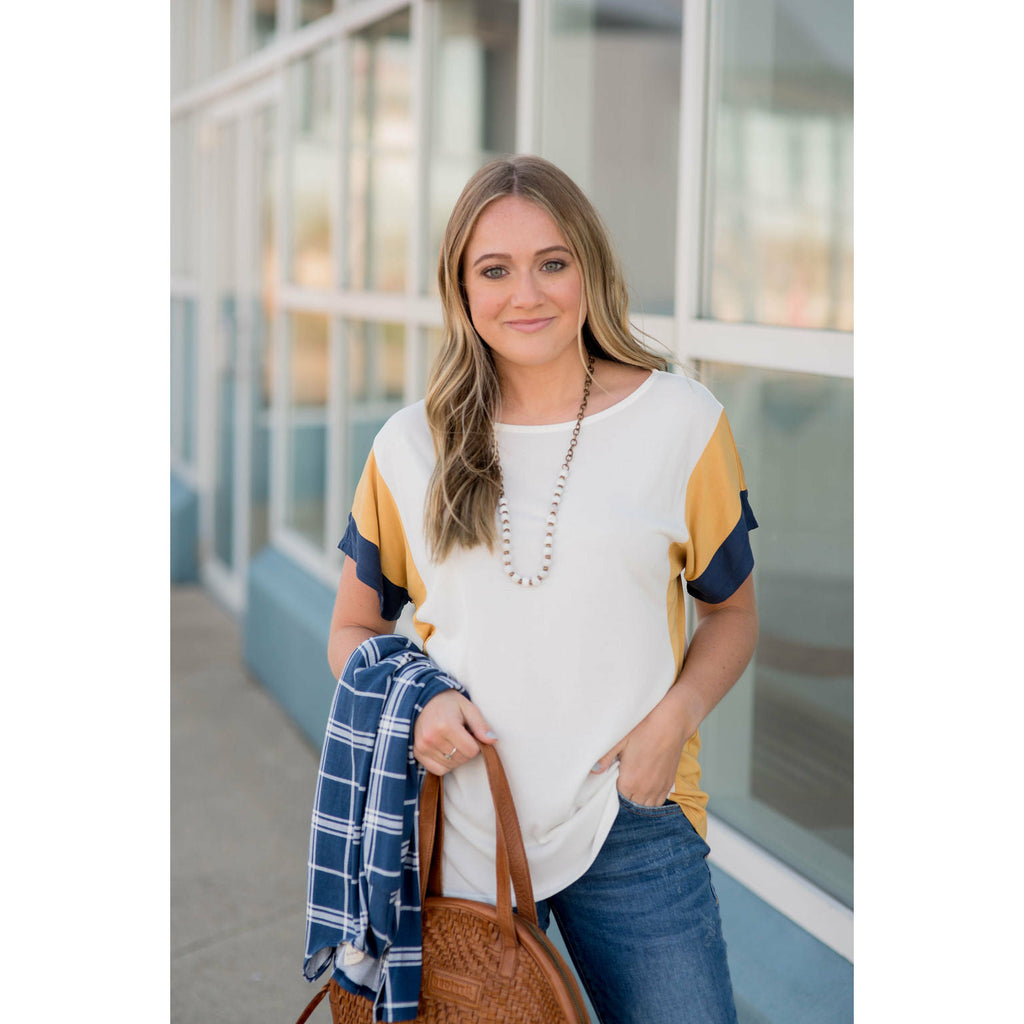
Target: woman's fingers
(608, 759)
(446, 733)
(475, 721)
(641, 778)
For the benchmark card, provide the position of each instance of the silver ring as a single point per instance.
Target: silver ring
(448, 757)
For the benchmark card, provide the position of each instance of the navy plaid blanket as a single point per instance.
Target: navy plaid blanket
(363, 898)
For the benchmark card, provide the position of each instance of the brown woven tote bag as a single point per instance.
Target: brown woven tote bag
(481, 964)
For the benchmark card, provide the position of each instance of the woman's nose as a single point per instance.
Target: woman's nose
(526, 292)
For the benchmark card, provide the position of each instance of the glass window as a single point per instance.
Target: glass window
(183, 379)
(263, 271)
(262, 23)
(313, 169)
(189, 371)
(380, 175)
(184, 44)
(226, 340)
(473, 116)
(307, 426)
(310, 10)
(779, 241)
(175, 377)
(778, 751)
(433, 339)
(611, 82)
(184, 194)
(376, 387)
(223, 34)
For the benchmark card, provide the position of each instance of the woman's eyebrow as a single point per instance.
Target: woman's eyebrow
(507, 256)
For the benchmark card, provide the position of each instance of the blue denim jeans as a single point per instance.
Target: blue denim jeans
(642, 925)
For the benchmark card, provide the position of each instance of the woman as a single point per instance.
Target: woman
(543, 510)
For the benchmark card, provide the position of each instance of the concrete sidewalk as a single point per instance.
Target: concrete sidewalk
(243, 779)
(242, 785)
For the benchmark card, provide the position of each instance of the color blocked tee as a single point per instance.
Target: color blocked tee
(655, 501)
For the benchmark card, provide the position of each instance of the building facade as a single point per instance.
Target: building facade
(317, 148)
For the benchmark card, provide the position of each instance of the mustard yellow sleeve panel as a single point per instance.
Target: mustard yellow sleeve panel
(375, 540)
(718, 556)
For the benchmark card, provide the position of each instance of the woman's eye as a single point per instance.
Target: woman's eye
(552, 265)
(494, 273)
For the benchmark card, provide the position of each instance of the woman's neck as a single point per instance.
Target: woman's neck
(535, 395)
(533, 400)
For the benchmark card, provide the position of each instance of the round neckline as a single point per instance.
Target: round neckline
(531, 428)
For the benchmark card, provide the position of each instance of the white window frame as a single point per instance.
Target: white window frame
(185, 470)
(792, 349)
(339, 304)
(798, 350)
(237, 107)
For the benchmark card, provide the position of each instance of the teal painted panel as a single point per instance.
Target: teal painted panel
(780, 973)
(184, 533)
(285, 632)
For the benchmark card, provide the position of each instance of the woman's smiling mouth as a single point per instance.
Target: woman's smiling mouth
(529, 326)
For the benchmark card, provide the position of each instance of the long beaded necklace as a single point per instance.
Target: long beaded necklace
(506, 522)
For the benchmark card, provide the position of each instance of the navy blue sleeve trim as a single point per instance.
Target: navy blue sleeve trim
(391, 598)
(732, 562)
(748, 512)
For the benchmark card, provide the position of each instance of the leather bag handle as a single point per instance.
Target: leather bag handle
(510, 853)
(431, 835)
(313, 1004)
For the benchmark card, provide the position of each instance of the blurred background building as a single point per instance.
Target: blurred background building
(317, 148)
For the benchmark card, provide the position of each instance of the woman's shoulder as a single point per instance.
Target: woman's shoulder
(683, 395)
(615, 382)
(404, 432)
(405, 423)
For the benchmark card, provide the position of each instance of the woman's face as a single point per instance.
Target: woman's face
(524, 288)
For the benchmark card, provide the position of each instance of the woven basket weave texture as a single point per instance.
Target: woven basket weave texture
(462, 947)
(464, 944)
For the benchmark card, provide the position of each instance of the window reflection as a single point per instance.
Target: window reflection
(307, 426)
(223, 16)
(184, 191)
(778, 751)
(779, 247)
(263, 270)
(310, 10)
(185, 20)
(225, 267)
(376, 386)
(313, 169)
(380, 156)
(183, 379)
(473, 118)
(610, 119)
(434, 340)
(262, 23)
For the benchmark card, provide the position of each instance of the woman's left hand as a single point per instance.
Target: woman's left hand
(648, 758)
(718, 652)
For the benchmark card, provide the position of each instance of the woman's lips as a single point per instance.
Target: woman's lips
(529, 326)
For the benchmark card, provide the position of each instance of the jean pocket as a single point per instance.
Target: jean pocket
(644, 811)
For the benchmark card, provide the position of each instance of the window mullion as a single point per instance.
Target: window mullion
(692, 112)
(279, 396)
(533, 15)
(337, 447)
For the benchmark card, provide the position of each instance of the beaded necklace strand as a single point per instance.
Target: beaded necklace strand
(503, 513)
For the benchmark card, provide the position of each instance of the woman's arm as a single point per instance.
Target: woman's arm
(356, 618)
(719, 651)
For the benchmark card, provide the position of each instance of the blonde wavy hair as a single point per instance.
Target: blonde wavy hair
(462, 390)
